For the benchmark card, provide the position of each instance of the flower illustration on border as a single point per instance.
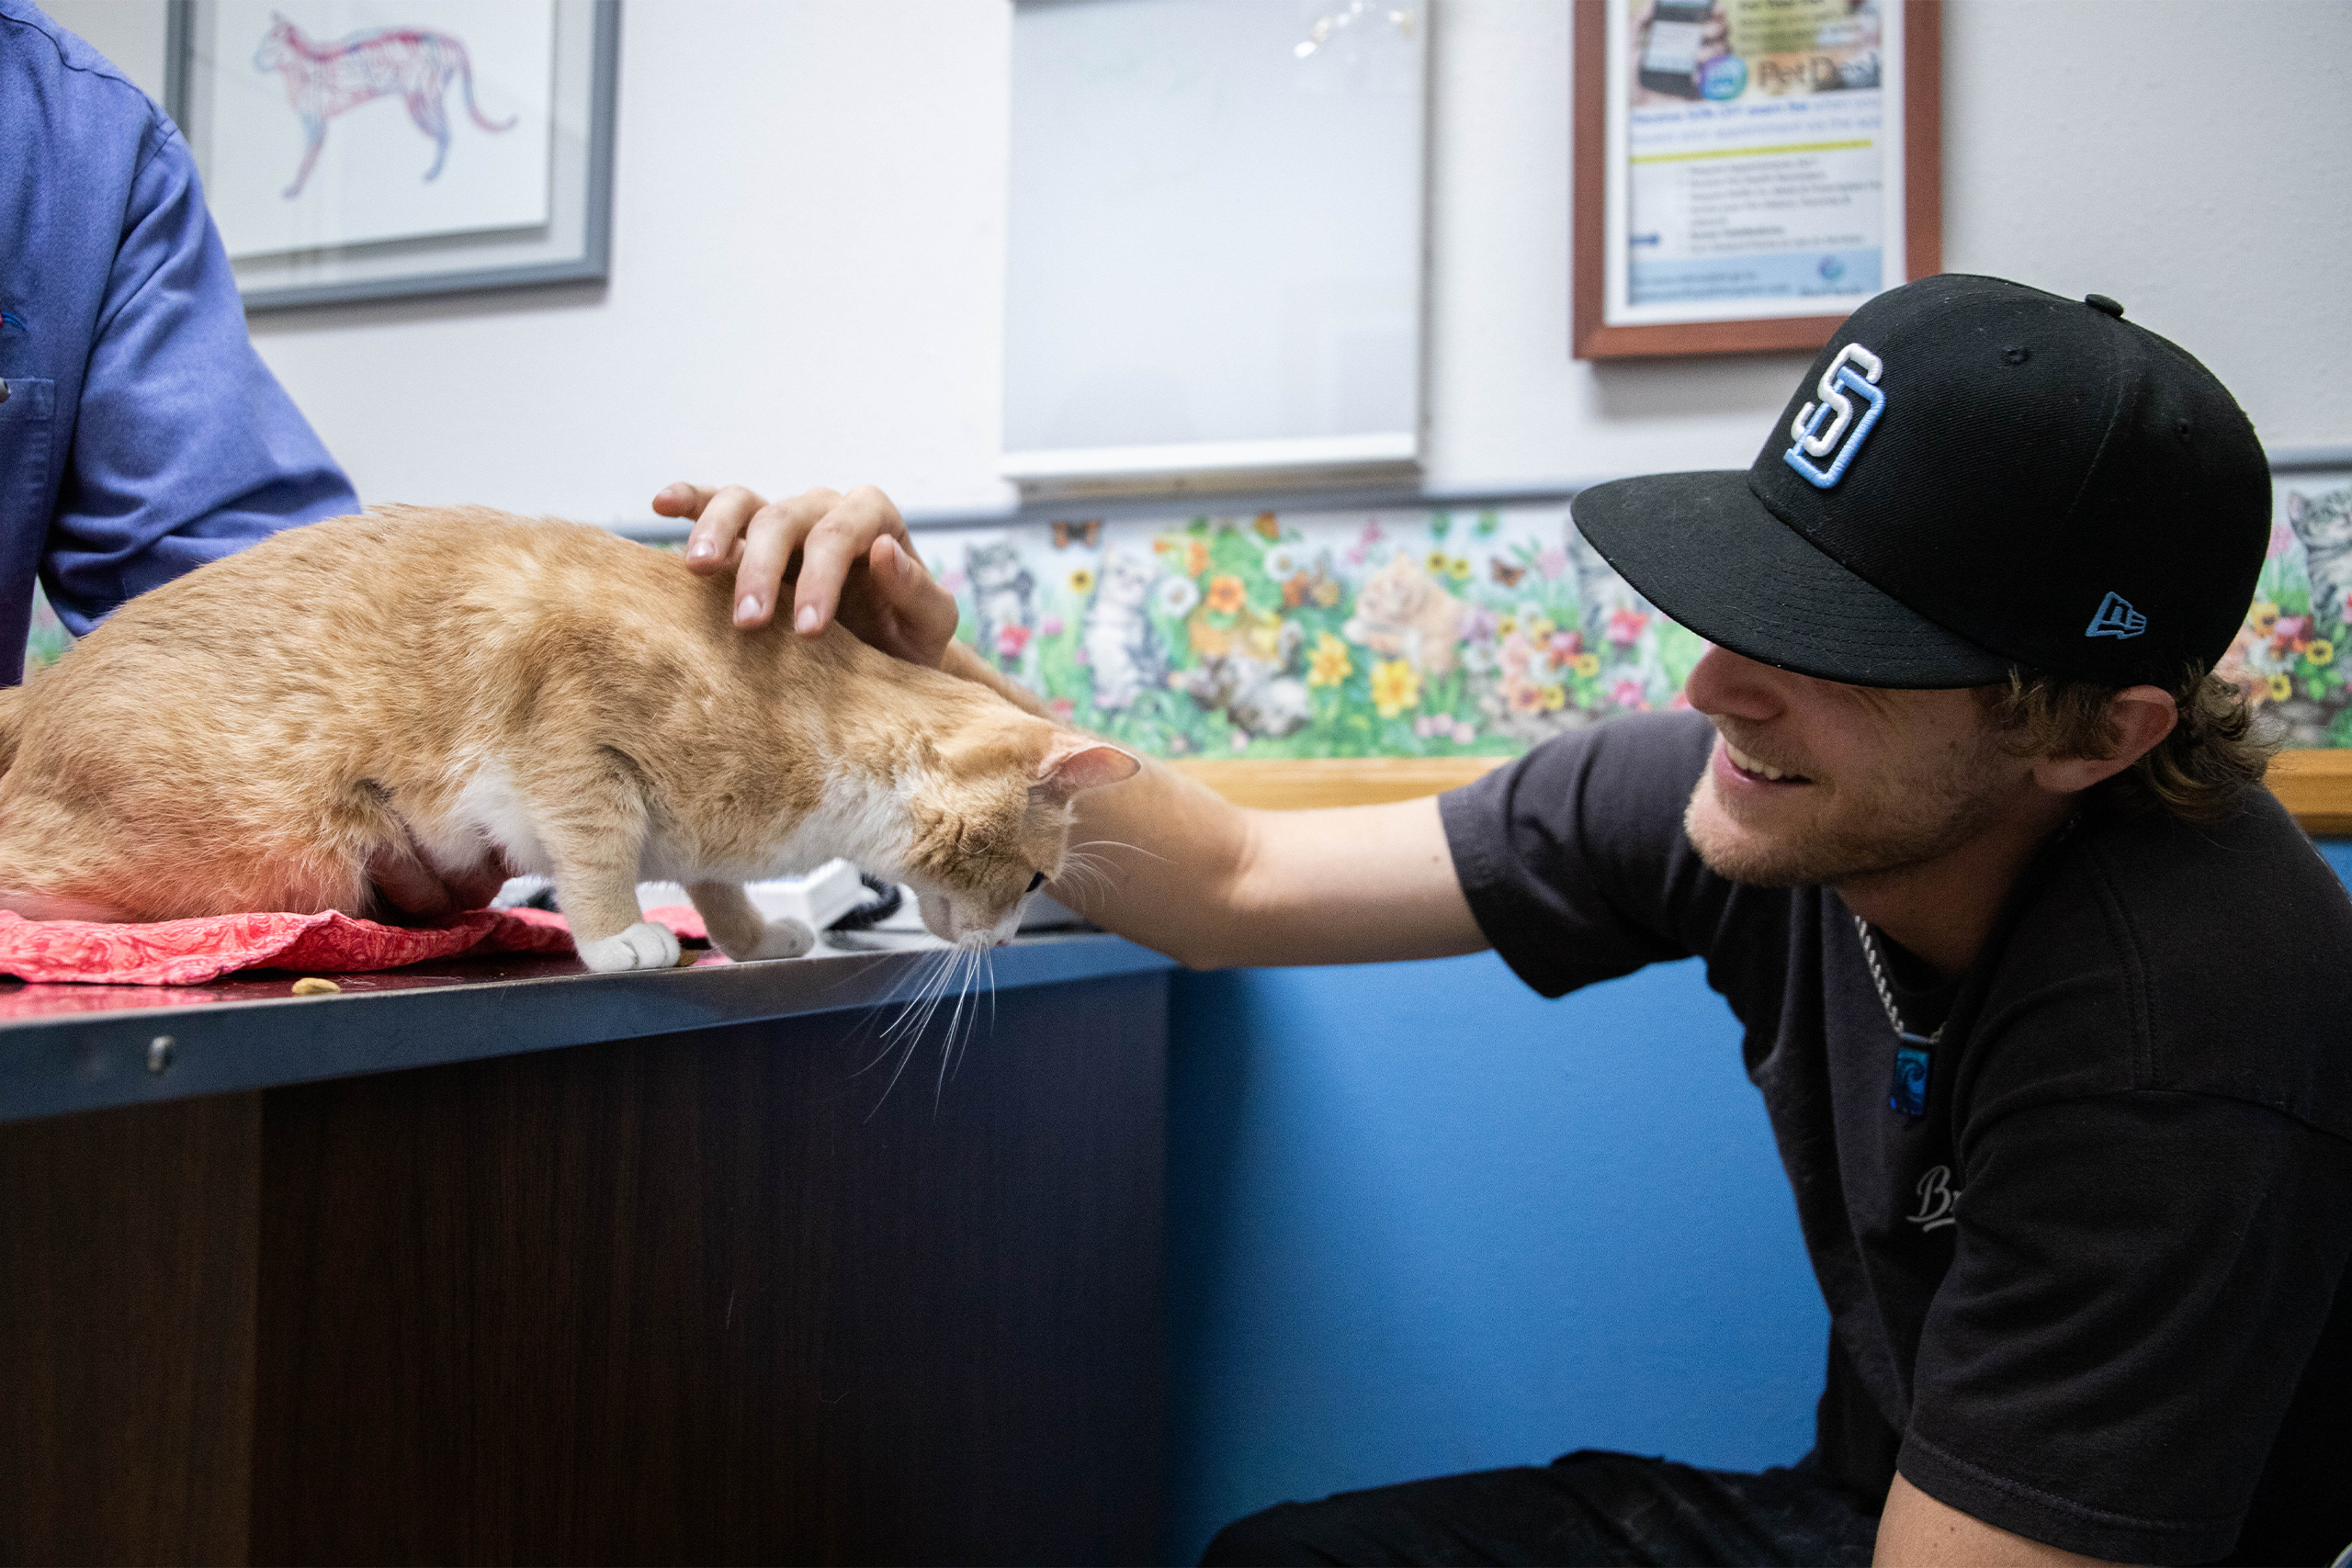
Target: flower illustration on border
(1050, 626)
(1464, 732)
(1196, 557)
(1626, 693)
(1061, 708)
(1010, 641)
(1082, 581)
(1524, 696)
(1327, 592)
(1458, 568)
(1330, 664)
(1586, 664)
(1282, 564)
(2319, 650)
(1226, 595)
(2262, 617)
(1177, 596)
(1552, 564)
(2281, 688)
(1396, 686)
(1555, 699)
(1625, 625)
(1438, 563)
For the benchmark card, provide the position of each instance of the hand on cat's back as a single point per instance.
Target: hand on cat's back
(847, 557)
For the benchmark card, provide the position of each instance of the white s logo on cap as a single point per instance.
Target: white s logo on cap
(1816, 430)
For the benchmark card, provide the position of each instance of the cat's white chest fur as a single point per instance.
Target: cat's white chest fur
(858, 820)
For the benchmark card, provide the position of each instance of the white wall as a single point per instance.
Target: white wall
(808, 269)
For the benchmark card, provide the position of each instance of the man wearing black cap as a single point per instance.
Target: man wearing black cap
(1965, 830)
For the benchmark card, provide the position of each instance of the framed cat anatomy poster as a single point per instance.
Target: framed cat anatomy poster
(368, 149)
(1747, 172)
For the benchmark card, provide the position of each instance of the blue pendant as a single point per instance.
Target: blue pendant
(1910, 1095)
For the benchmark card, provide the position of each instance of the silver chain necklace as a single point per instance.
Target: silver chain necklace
(1911, 1051)
(1886, 993)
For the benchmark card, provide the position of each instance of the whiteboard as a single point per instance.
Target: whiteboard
(1215, 243)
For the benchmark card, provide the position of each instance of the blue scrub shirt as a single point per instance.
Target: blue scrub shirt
(141, 435)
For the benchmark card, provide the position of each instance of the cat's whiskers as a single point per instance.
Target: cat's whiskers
(915, 993)
(914, 1020)
(1087, 872)
(970, 956)
(954, 966)
(1117, 845)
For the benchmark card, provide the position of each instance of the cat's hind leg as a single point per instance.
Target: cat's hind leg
(431, 117)
(739, 929)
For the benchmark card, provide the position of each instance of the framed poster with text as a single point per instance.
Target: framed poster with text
(1747, 172)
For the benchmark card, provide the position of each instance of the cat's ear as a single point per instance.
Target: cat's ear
(1074, 764)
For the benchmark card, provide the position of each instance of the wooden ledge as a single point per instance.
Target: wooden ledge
(1342, 781)
(2315, 785)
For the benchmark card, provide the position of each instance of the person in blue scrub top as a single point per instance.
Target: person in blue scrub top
(140, 435)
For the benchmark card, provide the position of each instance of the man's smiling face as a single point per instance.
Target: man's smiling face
(1815, 782)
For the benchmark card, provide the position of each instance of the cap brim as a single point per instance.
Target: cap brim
(1709, 554)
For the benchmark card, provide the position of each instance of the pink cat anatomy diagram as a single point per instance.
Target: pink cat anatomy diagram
(324, 80)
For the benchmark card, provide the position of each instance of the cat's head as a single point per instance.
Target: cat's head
(1395, 592)
(991, 823)
(2320, 521)
(994, 566)
(1126, 581)
(277, 45)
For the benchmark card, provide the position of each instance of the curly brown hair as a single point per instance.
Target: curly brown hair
(2196, 772)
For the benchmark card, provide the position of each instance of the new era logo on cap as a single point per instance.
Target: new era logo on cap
(1818, 425)
(2116, 617)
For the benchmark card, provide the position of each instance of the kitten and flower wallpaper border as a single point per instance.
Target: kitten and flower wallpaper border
(1460, 633)
(1453, 638)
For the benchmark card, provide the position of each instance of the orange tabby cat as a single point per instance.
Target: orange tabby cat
(422, 697)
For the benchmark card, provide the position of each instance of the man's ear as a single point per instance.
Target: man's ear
(2138, 717)
(1074, 764)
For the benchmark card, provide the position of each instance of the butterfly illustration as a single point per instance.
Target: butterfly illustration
(1091, 531)
(1506, 572)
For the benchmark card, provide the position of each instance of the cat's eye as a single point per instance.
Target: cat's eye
(1035, 883)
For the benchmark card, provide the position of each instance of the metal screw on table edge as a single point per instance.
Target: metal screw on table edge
(159, 1053)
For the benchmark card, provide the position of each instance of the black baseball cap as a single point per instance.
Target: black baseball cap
(1974, 476)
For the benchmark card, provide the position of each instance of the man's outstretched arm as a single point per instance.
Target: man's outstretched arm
(1160, 859)
(1918, 1531)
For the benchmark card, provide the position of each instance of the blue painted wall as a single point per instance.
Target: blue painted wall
(1421, 1220)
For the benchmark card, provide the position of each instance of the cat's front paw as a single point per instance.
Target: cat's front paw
(645, 945)
(778, 939)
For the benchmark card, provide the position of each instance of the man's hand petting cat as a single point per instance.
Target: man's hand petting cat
(847, 557)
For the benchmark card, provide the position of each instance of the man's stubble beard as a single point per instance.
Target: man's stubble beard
(1910, 822)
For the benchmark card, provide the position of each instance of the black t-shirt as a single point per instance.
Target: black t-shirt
(2091, 1295)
